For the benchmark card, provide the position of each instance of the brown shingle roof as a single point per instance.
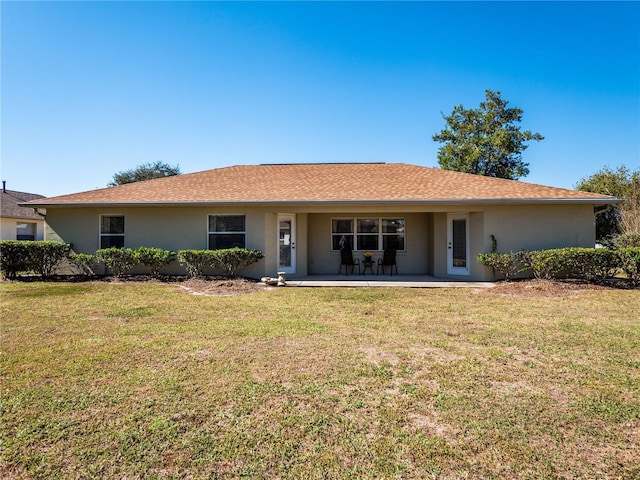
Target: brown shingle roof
(10, 208)
(349, 182)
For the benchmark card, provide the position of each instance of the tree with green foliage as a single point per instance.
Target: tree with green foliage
(146, 171)
(485, 141)
(618, 219)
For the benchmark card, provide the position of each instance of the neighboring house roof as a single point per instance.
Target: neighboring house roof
(10, 201)
(325, 183)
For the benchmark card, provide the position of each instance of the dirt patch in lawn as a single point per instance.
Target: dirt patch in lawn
(222, 286)
(541, 288)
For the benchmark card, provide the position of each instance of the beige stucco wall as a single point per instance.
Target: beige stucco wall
(180, 228)
(537, 227)
(540, 227)
(527, 227)
(170, 228)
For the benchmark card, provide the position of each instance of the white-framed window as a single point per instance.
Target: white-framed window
(342, 234)
(26, 231)
(111, 231)
(393, 233)
(227, 231)
(368, 233)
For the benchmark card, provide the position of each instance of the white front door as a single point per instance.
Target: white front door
(287, 243)
(458, 244)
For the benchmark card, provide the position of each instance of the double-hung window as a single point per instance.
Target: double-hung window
(111, 231)
(371, 233)
(367, 234)
(392, 233)
(227, 231)
(342, 234)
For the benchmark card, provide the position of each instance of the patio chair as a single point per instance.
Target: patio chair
(346, 259)
(388, 260)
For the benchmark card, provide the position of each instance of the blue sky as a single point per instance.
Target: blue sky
(93, 88)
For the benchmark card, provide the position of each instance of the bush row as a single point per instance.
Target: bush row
(198, 263)
(43, 257)
(593, 265)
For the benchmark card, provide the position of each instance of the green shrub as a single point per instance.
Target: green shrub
(86, 262)
(118, 260)
(506, 264)
(14, 257)
(45, 256)
(153, 258)
(544, 264)
(629, 259)
(591, 264)
(228, 261)
(37, 256)
(197, 262)
(231, 261)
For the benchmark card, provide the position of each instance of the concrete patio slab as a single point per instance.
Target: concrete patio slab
(404, 281)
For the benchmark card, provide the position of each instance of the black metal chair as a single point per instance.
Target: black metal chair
(346, 259)
(388, 260)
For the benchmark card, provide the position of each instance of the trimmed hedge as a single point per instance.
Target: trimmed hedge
(591, 264)
(86, 262)
(119, 260)
(39, 256)
(197, 262)
(14, 257)
(45, 256)
(229, 261)
(506, 264)
(543, 263)
(154, 258)
(594, 265)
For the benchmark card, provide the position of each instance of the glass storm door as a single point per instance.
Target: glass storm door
(458, 244)
(287, 243)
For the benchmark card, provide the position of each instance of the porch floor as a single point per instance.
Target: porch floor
(406, 281)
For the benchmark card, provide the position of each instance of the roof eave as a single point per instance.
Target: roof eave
(262, 203)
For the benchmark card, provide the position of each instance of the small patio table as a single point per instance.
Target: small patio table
(367, 264)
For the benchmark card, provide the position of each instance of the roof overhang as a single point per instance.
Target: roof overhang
(342, 203)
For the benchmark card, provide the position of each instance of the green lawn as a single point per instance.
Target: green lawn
(128, 380)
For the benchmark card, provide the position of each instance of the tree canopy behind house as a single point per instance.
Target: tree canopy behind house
(485, 141)
(622, 183)
(146, 171)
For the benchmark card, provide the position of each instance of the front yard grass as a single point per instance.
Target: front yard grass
(128, 380)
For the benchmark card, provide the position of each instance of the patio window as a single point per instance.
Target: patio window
(370, 233)
(342, 233)
(393, 233)
(227, 231)
(111, 231)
